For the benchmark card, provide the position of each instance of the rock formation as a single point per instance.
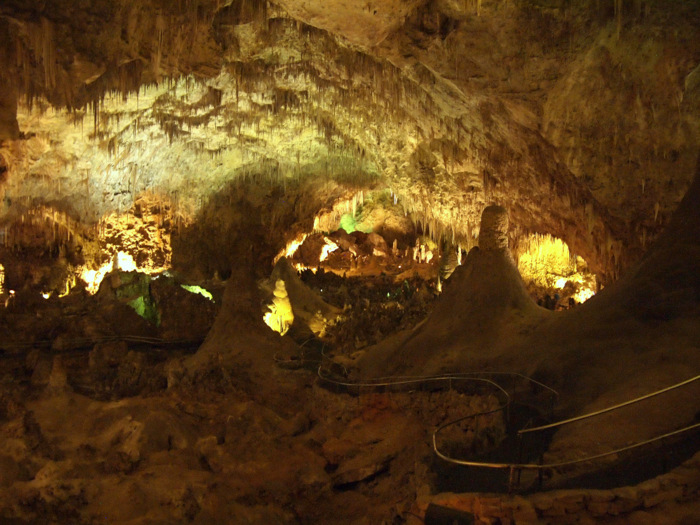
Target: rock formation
(157, 158)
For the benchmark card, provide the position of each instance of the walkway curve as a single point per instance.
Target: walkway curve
(513, 467)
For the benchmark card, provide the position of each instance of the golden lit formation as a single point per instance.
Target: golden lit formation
(292, 247)
(546, 263)
(328, 248)
(137, 240)
(280, 316)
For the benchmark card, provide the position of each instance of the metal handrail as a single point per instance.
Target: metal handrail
(543, 466)
(609, 409)
(623, 449)
(390, 379)
(476, 374)
(461, 461)
(96, 340)
(515, 467)
(407, 380)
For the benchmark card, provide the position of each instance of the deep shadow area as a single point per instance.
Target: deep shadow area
(637, 466)
(511, 449)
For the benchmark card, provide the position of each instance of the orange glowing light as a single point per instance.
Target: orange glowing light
(292, 247)
(327, 249)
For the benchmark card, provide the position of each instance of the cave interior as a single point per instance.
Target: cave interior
(298, 261)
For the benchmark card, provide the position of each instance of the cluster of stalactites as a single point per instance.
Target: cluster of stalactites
(544, 245)
(361, 82)
(329, 220)
(460, 231)
(325, 104)
(56, 228)
(31, 48)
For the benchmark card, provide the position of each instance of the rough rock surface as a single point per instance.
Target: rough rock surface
(493, 232)
(247, 124)
(580, 121)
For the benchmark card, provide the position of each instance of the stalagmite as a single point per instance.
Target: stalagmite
(493, 234)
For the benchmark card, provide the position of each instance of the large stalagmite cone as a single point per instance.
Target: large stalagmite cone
(484, 305)
(239, 341)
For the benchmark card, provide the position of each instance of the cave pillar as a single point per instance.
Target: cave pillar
(493, 234)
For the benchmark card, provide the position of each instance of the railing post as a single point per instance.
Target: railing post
(664, 457)
(511, 479)
(520, 448)
(508, 413)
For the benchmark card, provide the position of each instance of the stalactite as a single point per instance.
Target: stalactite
(618, 17)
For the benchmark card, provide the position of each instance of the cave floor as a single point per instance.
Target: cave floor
(110, 433)
(216, 452)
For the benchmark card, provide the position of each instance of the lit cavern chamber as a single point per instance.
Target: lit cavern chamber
(244, 271)
(369, 235)
(371, 241)
(549, 268)
(51, 254)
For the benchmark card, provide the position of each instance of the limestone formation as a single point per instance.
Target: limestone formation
(226, 228)
(493, 232)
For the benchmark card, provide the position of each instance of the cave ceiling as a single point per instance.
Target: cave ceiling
(584, 122)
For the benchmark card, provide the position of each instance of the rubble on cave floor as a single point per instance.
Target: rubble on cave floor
(207, 453)
(378, 308)
(367, 310)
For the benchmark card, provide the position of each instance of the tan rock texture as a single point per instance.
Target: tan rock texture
(581, 122)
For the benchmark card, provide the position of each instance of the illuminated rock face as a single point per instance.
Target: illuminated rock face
(581, 130)
(548, 268)
(361, 23)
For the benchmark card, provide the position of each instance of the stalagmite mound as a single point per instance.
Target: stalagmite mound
(636, 336)
(639, 335)
(239, 349)
(484, 305)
